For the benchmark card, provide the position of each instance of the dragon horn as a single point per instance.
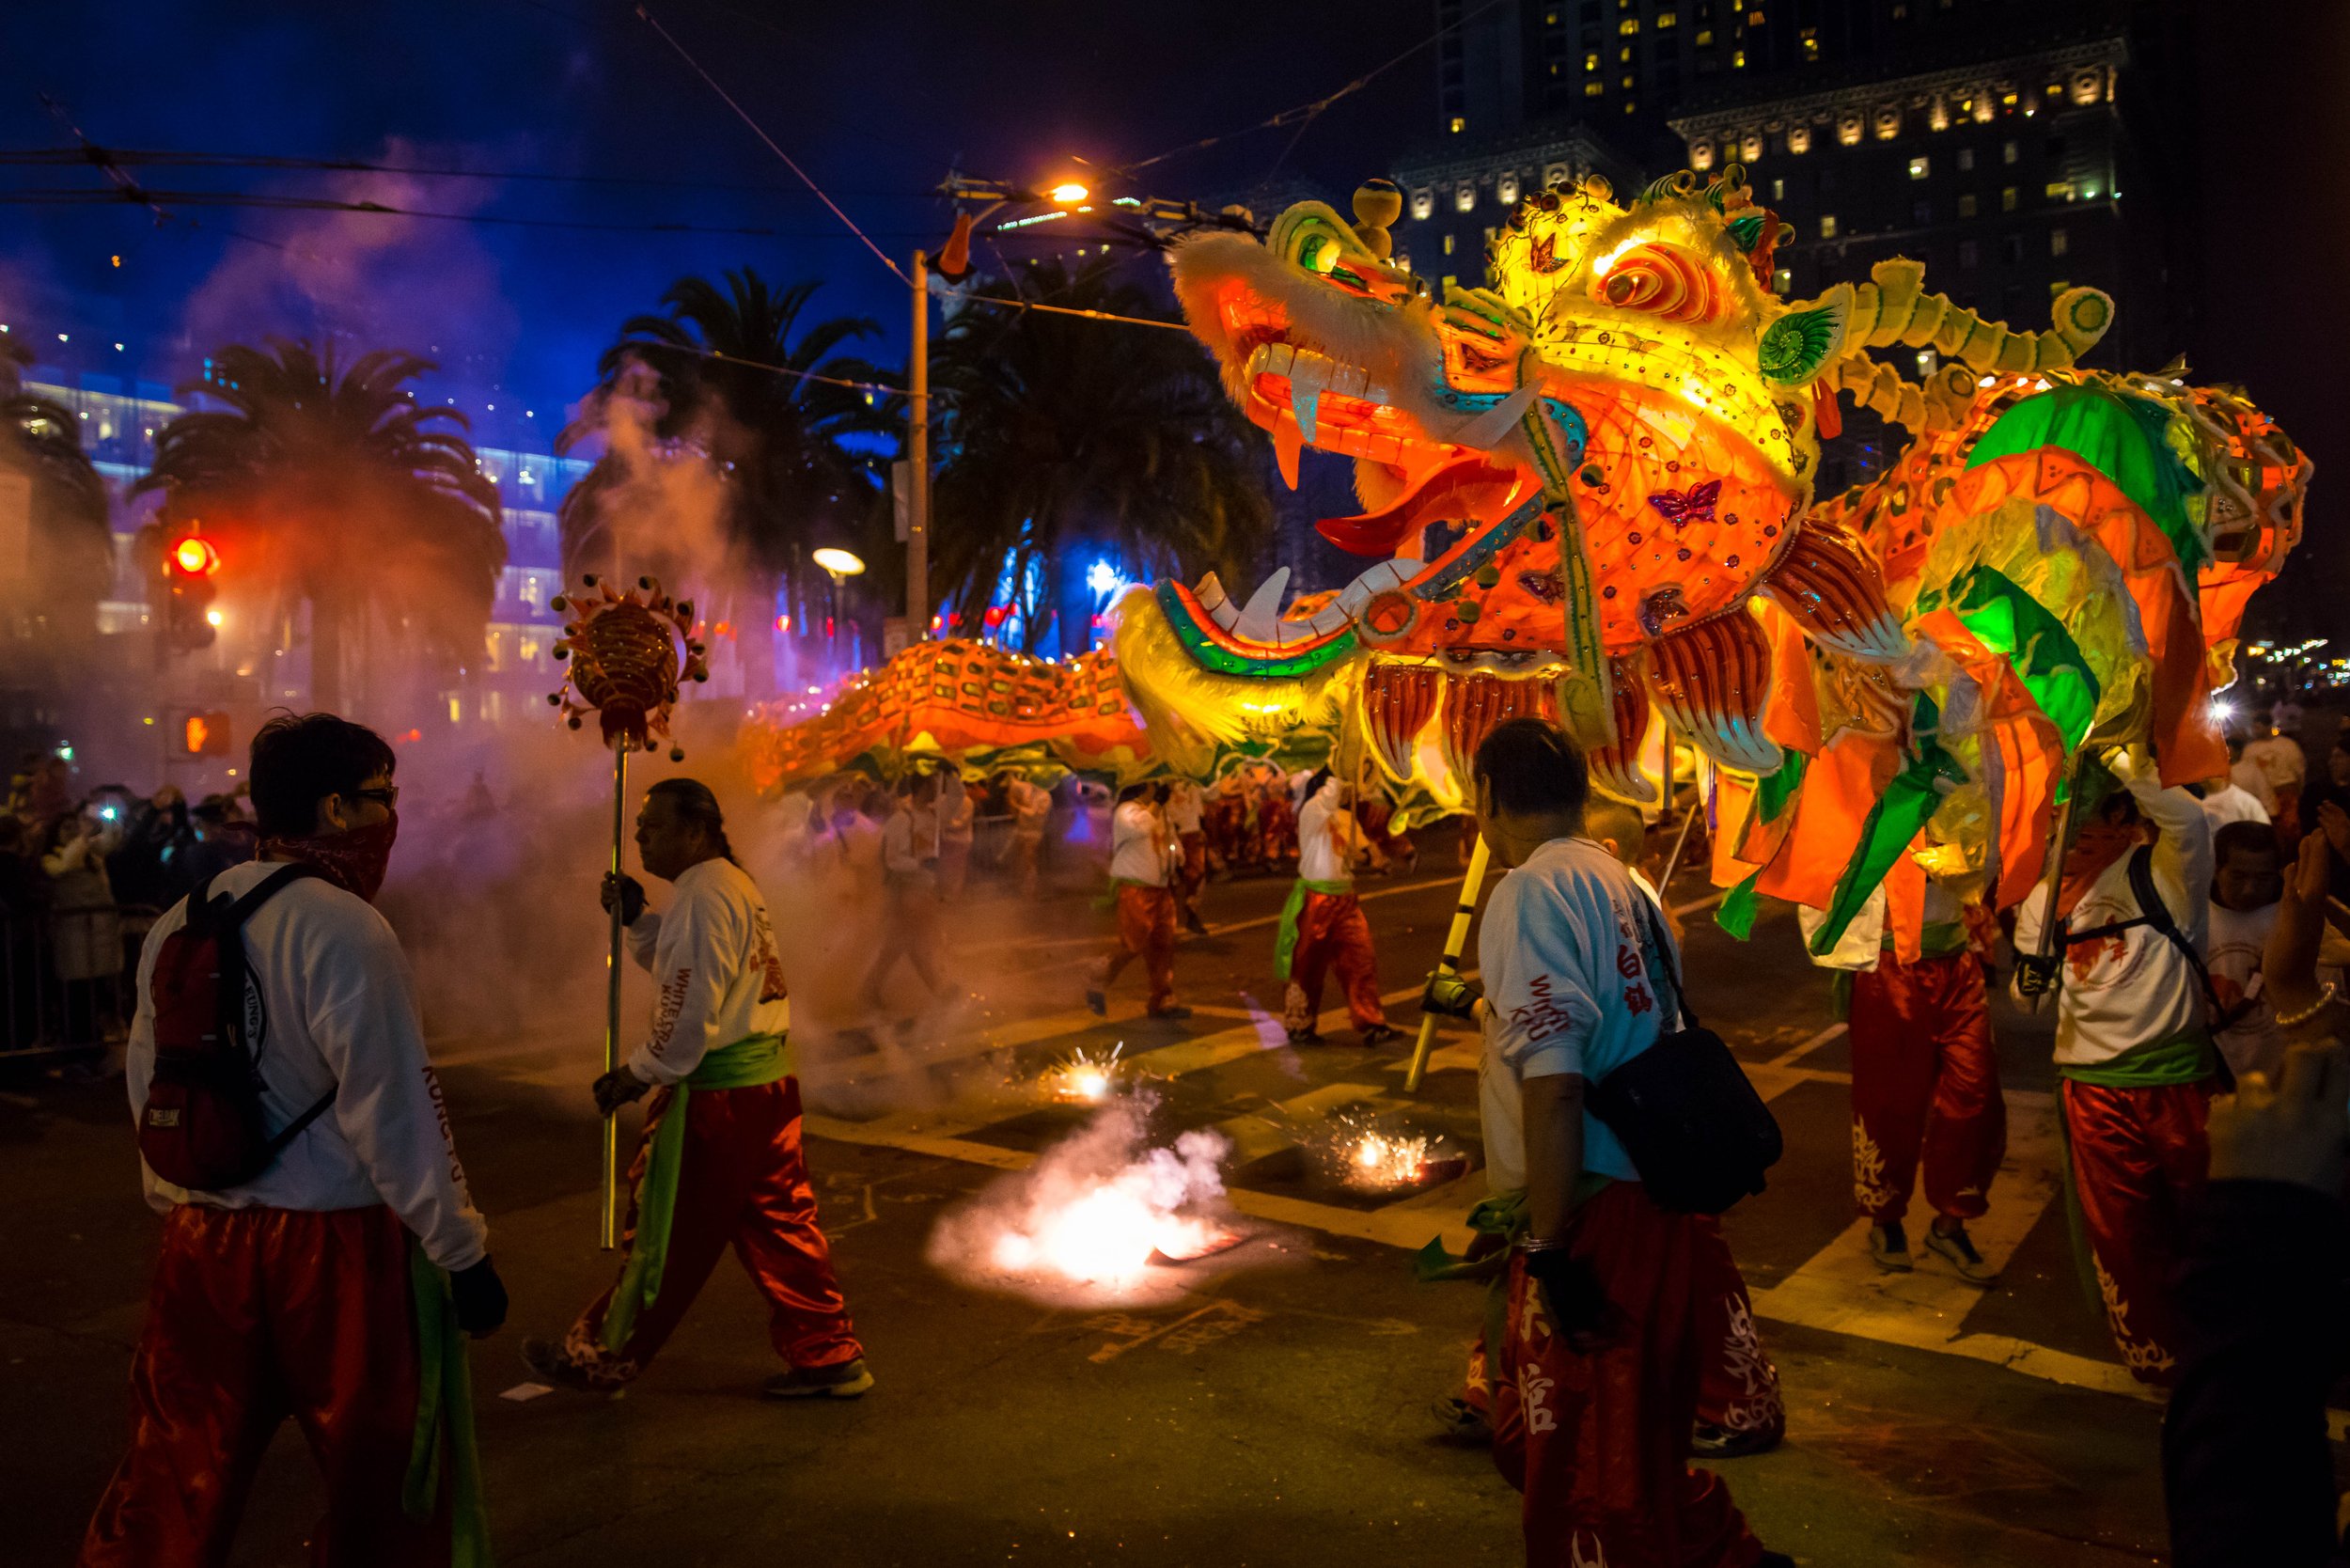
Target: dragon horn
(1893, 307)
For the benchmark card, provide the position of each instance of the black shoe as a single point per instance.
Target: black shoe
(1379, 1034)
(1173, 1010)
(1305, 1037)
(1195, 925)
(549, 1365)
(1720, 1442)
(1099, 1000)
(841, 1380)
(1959, 1248)
(1889, 1246)
(1461, 1422)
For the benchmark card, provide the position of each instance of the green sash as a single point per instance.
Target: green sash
(1285, 934)
(758, 1058)
(1508, 1215)
(444, 1419)
(2186, 1057)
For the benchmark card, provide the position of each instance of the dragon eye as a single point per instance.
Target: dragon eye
(1317, 253)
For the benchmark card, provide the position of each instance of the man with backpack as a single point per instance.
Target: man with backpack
(2133, 1047)
(320, 1253)
(1602, 1340)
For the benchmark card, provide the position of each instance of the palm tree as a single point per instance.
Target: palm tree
(330, 485)
(69, 548)
(1065, 436)
(723, 457)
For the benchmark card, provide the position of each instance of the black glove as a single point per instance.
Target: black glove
(617, 1088)
(1450, 997)
(479, 1295)
(2036, 976)
(1577, 1303)
(631, 893)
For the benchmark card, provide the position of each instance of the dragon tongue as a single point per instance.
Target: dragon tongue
(1288, 442)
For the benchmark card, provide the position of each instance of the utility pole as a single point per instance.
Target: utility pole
(918, 459)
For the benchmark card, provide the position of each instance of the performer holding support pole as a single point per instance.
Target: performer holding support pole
(721, 1161)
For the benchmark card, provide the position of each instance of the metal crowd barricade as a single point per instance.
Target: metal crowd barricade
(44, 1013)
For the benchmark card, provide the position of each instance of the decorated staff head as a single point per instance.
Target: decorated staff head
(622, 650)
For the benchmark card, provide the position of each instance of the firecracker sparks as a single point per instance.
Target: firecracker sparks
(1094, 1217)
(1373, 1155)
(1378, 1160)
(1083, 1079)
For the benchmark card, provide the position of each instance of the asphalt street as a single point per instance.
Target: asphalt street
(1266, 1404)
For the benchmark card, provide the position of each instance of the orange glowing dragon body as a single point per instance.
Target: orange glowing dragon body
(1620, 437)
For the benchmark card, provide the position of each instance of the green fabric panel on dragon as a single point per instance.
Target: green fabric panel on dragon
(1928, 775)
(1995, 608)
(1209, 653)
(1479, 550)
(2122, 438)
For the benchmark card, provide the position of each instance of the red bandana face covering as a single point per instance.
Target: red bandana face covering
(354, 861)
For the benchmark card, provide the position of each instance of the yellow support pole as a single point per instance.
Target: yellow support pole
(1454, 942)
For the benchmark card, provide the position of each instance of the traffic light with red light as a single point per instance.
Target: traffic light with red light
(189, 566)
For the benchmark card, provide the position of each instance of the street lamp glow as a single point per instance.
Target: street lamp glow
(841, 563)
(1068, 193)
(215, 618)
(1102, 578)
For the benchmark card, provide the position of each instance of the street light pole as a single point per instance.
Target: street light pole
(918, 459)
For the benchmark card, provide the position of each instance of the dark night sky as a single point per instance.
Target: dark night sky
(875, 100)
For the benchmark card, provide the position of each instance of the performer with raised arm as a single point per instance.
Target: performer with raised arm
(2132, 1047)
(1323, 925)
(321, 1266)
(720, 1162)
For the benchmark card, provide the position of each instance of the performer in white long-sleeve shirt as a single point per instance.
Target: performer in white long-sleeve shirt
(720, 1162)
(311, 1289)
(2132, 1047)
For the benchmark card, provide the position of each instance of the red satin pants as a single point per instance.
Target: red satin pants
(256, 1315)
(1195, 864)
(1146, 930)
(1332, 933)
(1602, 1438)
(1925, 1080)
(2137, 1155)
(744, 1184)
(1737, 1385)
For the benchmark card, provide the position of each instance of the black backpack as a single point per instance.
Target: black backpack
(202, 1127)
(2153, 911)
(1683, 1109)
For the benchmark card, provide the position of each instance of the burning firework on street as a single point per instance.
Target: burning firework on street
(1097, 1217)
(1083, 1079)
(1370, 1155)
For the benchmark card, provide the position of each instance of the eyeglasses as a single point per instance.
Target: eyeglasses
(388, 797)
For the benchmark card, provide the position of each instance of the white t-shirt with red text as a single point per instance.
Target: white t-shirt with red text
(1572, 985)
(719, 978)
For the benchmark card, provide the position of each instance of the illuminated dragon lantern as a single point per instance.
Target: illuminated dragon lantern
(1620, 437)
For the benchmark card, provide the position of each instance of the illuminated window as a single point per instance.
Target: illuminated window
(1628, 104)
(1459, 125)
(1889, 123)
(531, 589)
(496, 647)
(1782, 281)
(1623, 55)
(2088, 86)
(1754, 18)
(1448, 245)
(1629, 27)
(1799, 139)
(2058, 286)
(2006, 198)
(2007, 100)
(1737, 60)
(1595, 89)
(1464, 197)
(1779, 190)
(1750, 147)
(1627, 82)
(1920, 168)
(1666, 19)
(1423, 204)
(1701, 155)
(2007, 153)
(1966, 205)
(1506, 187)
(2059, 241)
(1965, 160)
(1705, 36)
(528, 650)
(1810, 39)
(1590, 60)
(1938, 116)
(1827, 226)
(1928, 362)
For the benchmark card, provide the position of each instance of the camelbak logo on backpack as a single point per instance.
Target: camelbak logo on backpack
(203, 1127)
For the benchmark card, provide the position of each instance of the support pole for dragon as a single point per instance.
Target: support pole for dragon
(610, 1233)
(1455, 942)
